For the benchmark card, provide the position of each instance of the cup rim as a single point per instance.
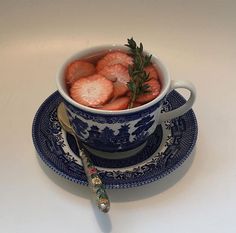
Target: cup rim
(110, 47)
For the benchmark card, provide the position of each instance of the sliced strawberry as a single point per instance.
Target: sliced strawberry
(116, 72)
(136, 104)
(113, 58)
(120, 89)
(154, 88)
(120, 75)
(92, 91)
(128, 93)
(118, 104)
(78, 69)
(151, 70)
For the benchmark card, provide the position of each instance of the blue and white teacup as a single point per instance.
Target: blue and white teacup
(114, 133)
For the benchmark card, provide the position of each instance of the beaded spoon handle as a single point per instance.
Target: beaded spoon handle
(91, 172)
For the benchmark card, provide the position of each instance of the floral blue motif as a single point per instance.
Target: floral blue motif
(112, 119)
(166, 149)
(116, 136)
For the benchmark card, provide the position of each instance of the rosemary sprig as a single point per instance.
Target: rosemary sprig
(137, 85)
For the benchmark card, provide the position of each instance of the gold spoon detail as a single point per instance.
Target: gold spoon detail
(91, 172)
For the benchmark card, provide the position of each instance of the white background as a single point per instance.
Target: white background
(197, 42)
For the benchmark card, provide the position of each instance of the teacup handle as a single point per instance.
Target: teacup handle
(164, 116)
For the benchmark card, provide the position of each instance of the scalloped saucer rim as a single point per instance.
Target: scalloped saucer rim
(158, 159)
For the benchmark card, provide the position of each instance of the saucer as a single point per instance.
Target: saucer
(166, 149)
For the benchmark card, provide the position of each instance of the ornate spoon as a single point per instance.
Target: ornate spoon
(94, 180)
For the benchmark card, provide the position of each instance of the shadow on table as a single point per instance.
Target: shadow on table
(63, 183)
(124, 195)
(103, 220)
(120, 195)
(153, 188)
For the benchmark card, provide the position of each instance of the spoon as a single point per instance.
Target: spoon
(95, 182)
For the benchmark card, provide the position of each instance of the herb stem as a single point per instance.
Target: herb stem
(137, 84)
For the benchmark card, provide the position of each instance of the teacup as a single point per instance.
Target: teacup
(115, 134)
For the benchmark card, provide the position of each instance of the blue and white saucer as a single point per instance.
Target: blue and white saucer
(165, 150)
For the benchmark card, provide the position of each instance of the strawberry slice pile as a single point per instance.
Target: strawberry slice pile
(104, 85)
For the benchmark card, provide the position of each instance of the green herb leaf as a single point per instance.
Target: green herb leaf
(137, 85)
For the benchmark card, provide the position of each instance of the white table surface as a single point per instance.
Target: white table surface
(195, 39)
